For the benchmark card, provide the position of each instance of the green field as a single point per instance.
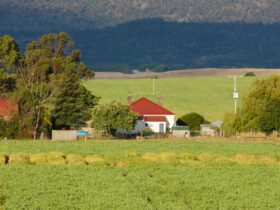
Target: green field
(211, 97)
(153, 185)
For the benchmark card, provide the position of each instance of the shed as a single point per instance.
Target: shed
(63, 135)
(181, 131)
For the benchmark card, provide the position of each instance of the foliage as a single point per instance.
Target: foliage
(72, 104)
(48, 65)
(250, 74)
(260, 108)
(270, 118)
(193, 120)
(9, 53)
(10, 128)
(112, 116)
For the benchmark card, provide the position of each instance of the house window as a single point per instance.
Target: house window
(146, 125)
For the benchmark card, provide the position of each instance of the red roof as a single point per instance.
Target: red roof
(144, 106)
(155, 119)
(7, 107)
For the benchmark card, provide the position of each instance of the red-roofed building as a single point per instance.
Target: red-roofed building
(7, 108)
(152, 115)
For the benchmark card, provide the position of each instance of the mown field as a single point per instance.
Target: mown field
(211, 97)
(144, 175)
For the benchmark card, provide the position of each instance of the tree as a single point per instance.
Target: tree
(193, 120)
(41, 74)
(9, 58)
(73, 104)
(110, 117)
(259, 108)
(270, 119)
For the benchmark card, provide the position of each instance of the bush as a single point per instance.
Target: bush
(56, 158)
(75, 159)
(193, 120)
(19, 159)
(249, 74)
(38, 159)
(3, 159)
(94, 159)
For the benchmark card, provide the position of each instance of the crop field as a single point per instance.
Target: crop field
(169, 174)
(211, 97)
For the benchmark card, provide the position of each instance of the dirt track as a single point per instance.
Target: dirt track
(188, 73)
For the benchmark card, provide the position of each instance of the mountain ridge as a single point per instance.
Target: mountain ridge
(84, 14)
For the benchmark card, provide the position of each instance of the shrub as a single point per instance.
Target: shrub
(38, 159)
(193, 120)
(94, 159)
(249, 74)
(3, 159)
(19, 159)
(75, 159)
(56, 158)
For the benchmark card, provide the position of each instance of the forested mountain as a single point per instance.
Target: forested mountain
(159, 34)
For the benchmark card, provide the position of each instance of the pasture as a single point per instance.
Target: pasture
(209, 96)
(157, 184)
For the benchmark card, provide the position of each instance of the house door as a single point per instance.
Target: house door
(161, 128)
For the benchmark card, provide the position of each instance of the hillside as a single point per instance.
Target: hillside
(211, 97)
(78, 14)
(120, 35)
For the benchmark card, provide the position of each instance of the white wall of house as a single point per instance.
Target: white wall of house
(155, 126)
(170, 119)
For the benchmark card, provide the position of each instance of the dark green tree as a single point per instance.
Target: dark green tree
(193, 120)
(270, 119)
(112, 116)
(73, 104)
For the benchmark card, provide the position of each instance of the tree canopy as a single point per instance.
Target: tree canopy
(193, 120)
(260, 108)
(112, 116)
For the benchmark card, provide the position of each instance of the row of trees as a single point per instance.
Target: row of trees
(45, 81)
(260, 110)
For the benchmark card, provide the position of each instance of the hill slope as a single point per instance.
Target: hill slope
(118, 35)
(211, 97)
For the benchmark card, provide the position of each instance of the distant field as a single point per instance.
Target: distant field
(209, 96)
(154, 185)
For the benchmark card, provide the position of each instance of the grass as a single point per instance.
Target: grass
(211, 97)
(141, 175)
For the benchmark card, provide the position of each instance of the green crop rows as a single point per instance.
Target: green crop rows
(140, 186)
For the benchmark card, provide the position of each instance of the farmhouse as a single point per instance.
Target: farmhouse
(152, 115)
(7, 108)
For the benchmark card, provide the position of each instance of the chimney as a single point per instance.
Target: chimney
(160, 100)
(129, 99)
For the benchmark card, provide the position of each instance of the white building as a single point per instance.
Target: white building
(152, 115)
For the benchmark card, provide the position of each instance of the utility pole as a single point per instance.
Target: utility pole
(235, 92)
(154, 85)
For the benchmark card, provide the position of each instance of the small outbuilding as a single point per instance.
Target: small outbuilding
(212, 129)
(181, 131)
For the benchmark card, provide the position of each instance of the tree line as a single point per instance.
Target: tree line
(45, 82)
